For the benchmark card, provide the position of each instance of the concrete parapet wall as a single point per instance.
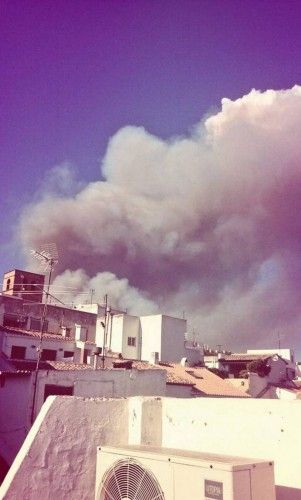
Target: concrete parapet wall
(58, 458)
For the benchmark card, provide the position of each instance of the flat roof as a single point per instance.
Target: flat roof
(206, 460)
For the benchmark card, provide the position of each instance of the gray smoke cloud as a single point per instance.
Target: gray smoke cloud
(208, 223)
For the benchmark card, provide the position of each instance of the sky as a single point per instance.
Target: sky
(77, 75)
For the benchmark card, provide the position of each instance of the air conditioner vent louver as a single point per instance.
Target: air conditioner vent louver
(128, 480)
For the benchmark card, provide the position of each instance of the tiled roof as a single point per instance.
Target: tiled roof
(37, 334)
(243, 357)
(29, 365)
(202, 380)
(108, 365)
(34, 334)
(68, 366)
(211, 385)
(14, 373)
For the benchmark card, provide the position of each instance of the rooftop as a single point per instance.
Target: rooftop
(37, 334)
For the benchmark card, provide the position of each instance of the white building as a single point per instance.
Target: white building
(287, 354)
(151, 337)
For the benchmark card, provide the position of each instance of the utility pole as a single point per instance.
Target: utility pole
(104, 330)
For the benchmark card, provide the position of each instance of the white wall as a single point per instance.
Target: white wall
(265, 429)
(58, 457)
(151, 330)
(15, 413)
(173, 336)
(178, 391)
(31, 344)
(104, 383)
(194, 355)
(249, 428)
(131, 328)
(117, 333)
(165, 335)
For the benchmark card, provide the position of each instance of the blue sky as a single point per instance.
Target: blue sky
(74, 72)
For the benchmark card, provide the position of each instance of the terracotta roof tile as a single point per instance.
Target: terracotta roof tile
(202, 380)
(14, 373)
(37, 334)
(243, 357)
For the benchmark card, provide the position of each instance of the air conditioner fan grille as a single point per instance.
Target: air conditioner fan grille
(129, 480)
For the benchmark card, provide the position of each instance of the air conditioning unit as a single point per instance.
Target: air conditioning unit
(144, 473)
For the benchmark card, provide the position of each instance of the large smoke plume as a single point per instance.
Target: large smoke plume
(208, 223)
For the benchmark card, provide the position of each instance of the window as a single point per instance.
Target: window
(35, 325)
(66, 332)
(132, 341)
(18, 352)
(57, 390)
(87, 353)
(8, 284)
(14, 320)
(48, 355)
(68, 354)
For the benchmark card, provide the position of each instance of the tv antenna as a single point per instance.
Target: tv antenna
(48, 256)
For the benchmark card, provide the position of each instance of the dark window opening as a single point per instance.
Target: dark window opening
(48, 355)
(14, 320)
(68, 354)
(132, 341)
(8, 284)
(57, 390)
(87, 353)
(18, 352)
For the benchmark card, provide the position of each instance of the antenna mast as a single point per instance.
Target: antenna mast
(48, 257)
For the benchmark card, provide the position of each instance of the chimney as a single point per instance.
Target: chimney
(97, 353)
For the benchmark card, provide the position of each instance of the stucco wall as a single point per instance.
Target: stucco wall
(57, 460)
(14, 414)
(265, 429)
(250, 428)
(173, 331)
(131, 328)
(104, 383)
(151, 330)
(31, 344)
(178, 391)
(58, 316)
(117, 333)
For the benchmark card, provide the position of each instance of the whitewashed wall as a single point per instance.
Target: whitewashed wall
(14, 414)
(115, 383)
(31, 344)
(131, 328)
(151, 331)
(117, 333)
(172, 343)
(266, 429)
(57, 460)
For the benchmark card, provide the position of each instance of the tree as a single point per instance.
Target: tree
(260, 367)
